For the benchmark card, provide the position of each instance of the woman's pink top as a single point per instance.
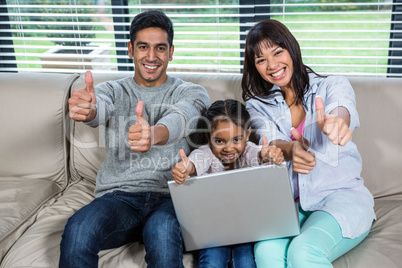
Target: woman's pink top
(300, 128)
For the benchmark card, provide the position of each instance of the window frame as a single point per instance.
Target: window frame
(395, 51)
(6, 45)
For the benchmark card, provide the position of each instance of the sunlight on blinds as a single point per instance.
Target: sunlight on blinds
(347, 37)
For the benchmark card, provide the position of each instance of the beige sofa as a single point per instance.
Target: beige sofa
(48, 166)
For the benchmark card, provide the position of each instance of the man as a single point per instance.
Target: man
(145, 119)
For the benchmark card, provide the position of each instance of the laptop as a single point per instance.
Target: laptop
(235, 206)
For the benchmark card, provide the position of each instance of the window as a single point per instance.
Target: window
(345, 37)
(336, 37)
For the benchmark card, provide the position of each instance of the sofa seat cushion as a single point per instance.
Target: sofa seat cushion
(39, 246)
(20, 201)
(382, 247)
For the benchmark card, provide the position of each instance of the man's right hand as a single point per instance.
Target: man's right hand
(82, 104)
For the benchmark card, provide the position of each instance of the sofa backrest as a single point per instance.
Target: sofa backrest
(32, 140)
(378, 102)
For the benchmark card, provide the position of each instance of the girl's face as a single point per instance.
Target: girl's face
(275, 65)
(228, 142)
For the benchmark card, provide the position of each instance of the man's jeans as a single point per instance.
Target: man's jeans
(118, 218)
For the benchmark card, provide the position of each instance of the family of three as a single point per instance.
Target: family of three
(297, 115)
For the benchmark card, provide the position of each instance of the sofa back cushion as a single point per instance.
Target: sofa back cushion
(378, 103)
(32, 139)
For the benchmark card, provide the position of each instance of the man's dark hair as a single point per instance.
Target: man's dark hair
(151, 18)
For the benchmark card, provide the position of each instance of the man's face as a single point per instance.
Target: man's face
(151, 54)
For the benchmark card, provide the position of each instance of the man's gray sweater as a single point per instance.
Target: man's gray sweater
(175, 104)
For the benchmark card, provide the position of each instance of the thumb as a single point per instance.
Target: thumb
(264, 142)
(185, 161)
(298, 136)
(89, 82)
(264, 153)
(319, 107)
(183, 156)
(139, 111)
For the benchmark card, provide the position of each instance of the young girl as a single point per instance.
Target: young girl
(228, 148)
(311, 118)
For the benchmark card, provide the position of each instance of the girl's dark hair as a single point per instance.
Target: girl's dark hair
(151, 18)
(222, 110)
(268, 33)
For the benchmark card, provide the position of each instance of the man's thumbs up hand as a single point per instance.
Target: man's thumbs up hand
(82, 104)
(139, 134)
(183, 169)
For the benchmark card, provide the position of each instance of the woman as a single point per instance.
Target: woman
(311, 118)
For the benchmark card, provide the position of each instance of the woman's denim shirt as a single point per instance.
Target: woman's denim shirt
(334, 185)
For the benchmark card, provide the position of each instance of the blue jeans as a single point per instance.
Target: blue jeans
(229, 256)
(118, 218)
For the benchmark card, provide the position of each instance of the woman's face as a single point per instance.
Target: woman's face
(275, 65)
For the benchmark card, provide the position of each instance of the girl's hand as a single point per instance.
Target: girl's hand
(270, 153)
(183, 169)
(303, 160)
(336, 128)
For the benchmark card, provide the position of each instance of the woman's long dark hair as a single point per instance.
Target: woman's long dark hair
(269, 33)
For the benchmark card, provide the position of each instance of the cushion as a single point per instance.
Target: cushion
(33, 148)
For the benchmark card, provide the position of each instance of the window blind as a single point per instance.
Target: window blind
(336, 37)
